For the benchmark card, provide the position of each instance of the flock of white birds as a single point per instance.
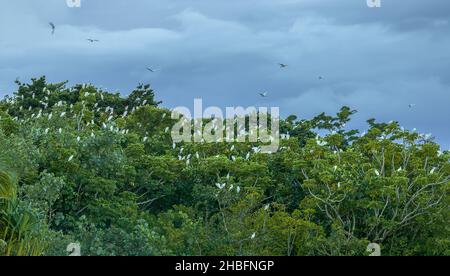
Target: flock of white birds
(109, 125)
(50, 113)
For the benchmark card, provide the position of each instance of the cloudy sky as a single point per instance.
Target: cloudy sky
(377, 61)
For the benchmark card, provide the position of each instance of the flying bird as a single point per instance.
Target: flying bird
(411, 105)
(92, 40)
(320, 77)
(151, 70)
(263, 94)
(53, 27)
(282, 65)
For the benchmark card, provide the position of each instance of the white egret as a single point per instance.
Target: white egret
(221, 186)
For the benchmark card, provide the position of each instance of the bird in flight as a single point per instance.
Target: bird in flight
(282, 65)
(411, 105)
(92, 40)
(320, 77)
(53, 27)
(263, 94)
(151, 70)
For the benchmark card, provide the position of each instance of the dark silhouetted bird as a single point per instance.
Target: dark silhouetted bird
(53, 27)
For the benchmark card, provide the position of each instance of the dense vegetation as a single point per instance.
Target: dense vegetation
(83, 165)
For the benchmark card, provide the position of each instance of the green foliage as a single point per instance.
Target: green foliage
(94, 168)
(20, 231)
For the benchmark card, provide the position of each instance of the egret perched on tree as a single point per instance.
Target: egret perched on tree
(377, 172)
(221, 186)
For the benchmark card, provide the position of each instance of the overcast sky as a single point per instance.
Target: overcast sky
(377, 61)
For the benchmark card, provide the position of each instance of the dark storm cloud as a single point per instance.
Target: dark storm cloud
(375, 60)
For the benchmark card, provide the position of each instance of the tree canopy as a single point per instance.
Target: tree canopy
(80, 164)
